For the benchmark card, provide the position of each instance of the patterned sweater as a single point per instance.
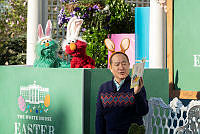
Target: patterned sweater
(116, 110)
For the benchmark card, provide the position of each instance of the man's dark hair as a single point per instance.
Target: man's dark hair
(110, 60)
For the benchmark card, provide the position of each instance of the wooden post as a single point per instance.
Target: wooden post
(170, 64)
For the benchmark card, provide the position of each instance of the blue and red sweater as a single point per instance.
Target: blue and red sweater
(116, 110)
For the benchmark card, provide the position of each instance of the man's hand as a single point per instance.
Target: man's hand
(139, 87)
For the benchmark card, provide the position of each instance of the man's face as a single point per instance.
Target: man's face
(119, 67)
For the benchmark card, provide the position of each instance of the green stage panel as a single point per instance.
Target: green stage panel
(60, 101)
(94, 78)
(155, 82)
(41, 101)
(186, 46)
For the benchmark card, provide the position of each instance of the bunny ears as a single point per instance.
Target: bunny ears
(111, 46)
(47, 30)
(73, 28)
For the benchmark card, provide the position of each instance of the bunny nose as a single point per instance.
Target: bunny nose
(72, 46)
(46, 44)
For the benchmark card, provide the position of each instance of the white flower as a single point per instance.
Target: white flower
(24, 3)
(106, 8)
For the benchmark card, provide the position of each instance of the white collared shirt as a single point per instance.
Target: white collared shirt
(118, 85)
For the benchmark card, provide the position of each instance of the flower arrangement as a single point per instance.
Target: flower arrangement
(101, 18)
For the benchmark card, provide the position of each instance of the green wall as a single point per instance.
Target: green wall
(72, 93)
(186, 44)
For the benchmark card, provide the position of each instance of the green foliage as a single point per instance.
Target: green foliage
(122, 17)
(13, 51)
(101, 18)
(92, 1)
(136, 129)
(13, 32)
(96, 48)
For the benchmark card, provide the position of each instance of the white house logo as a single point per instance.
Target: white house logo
(34, 99)
(34, 118)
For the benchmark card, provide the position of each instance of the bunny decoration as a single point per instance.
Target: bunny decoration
(111, 46)
(46, 50)
(76, 46)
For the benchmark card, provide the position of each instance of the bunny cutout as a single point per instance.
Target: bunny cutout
(47, 48)
(76, 46)
(111, 46)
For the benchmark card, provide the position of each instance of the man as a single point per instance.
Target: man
(117, 105)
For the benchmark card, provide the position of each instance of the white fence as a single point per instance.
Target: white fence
(174, 118)
(54, 7)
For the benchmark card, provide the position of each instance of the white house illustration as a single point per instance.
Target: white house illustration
(33, 94)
